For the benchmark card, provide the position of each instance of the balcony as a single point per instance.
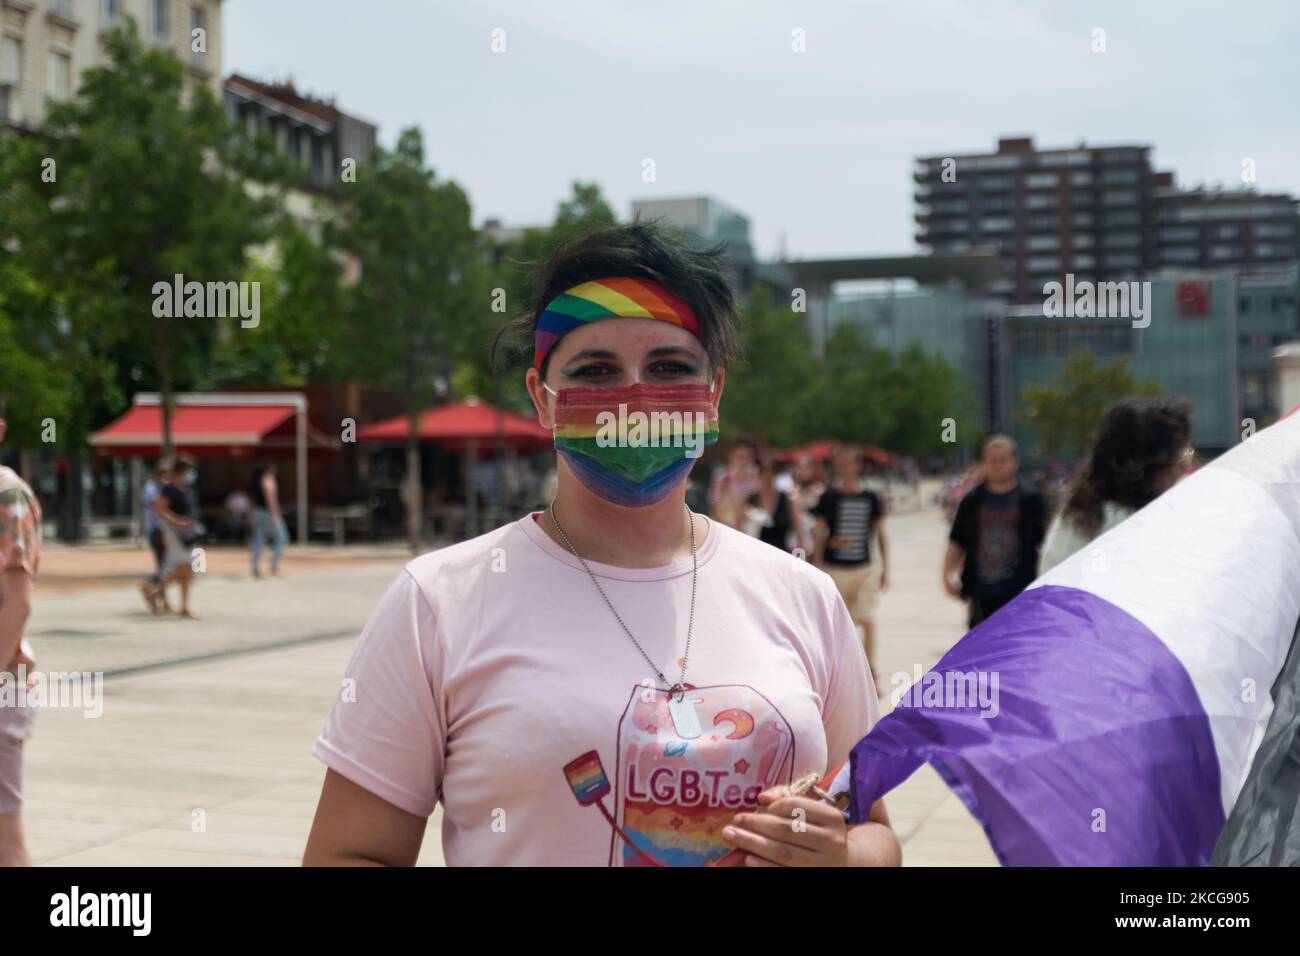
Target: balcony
(60, 12)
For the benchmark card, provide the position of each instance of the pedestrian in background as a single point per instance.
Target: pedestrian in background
(732, 487)
(20, 556)
(993, 547)
(1140, 453)
(152, 530)
(177, 527)
(779, 520)
(268, 520)
(848, 517)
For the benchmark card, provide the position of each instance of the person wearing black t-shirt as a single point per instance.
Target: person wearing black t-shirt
(174, 510)
(849, 517)
(996, 534)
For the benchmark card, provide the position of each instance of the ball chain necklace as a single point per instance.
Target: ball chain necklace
(680, 708)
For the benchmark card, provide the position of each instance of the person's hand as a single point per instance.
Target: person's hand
(884, 579)
(795, 831)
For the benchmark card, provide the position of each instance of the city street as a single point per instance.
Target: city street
(203, 753)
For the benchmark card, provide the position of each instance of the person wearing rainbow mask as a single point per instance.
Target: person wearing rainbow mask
(613, 680)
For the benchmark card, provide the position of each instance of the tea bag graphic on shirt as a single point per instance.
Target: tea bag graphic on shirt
(674, 795)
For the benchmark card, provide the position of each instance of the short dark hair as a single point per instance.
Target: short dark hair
(643, 249)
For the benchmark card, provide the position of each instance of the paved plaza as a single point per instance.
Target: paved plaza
(202, 756)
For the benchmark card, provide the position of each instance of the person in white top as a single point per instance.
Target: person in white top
(1141, 451)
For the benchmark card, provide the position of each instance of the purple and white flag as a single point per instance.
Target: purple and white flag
(1131, 683)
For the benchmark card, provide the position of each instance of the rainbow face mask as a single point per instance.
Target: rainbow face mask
(633, 444)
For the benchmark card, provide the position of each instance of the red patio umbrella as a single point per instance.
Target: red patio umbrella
(459, 424)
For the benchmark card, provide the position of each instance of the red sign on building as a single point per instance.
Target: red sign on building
(1193, 298)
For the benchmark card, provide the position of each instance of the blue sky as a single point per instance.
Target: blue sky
(814, 146)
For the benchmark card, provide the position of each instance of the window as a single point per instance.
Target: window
(58, 80)
(1085, 261)
(991, 162)
(1043, 243)
(160, 17)
(112, 10)
(11, 61)
(1041, 181)
(196, 19)
(1041, 201)
(1081, 178)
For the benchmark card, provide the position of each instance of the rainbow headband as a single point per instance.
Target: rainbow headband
(620, 298)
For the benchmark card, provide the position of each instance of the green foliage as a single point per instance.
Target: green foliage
(421, 294)
(149, 181)
(1067, 415)
(768, 392)
(300, 337)
(922, 391)
(856, 393)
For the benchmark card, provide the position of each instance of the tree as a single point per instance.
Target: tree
(849, 401)
(35, 381)
(420, 292)
(301, 336)
(923, 392)
(1067, 415)
(131, 183)
(767, 392)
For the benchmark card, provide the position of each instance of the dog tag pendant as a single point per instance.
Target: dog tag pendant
(686, 722)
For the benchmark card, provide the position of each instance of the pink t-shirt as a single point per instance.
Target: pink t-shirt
(492, 677)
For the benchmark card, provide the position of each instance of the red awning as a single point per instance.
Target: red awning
(212, 429)
(457, 424)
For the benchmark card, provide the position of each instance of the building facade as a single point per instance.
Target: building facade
(314, 132)
(1190, 348)
(706, 221)
(1045, 213)
(1224, 229)
(45, 46)
(1268, 318)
